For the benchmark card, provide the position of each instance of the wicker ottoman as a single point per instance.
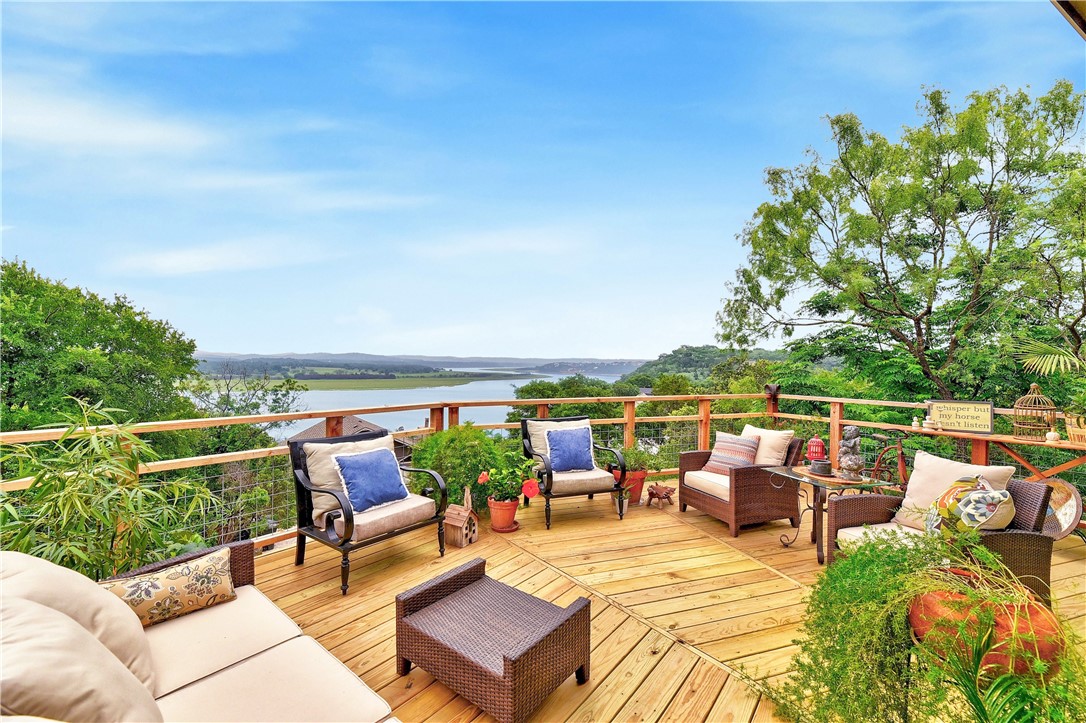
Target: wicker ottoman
(502, 649)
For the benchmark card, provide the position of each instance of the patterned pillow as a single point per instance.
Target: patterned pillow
(731, 451)
(179, 590)
(969, 503)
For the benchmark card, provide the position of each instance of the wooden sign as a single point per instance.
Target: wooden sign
(952, 415)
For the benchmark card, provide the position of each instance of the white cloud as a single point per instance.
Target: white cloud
(519, 241)
(229, 256)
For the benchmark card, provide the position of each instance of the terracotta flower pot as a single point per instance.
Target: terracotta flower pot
(1023, 633)
(503, 514)
(635, 483)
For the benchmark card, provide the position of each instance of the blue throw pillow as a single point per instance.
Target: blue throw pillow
(370, 478)
(571, 449)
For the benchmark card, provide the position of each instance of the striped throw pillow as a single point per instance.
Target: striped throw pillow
(731, 451)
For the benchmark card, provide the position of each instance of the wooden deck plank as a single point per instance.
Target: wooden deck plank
(693, 701)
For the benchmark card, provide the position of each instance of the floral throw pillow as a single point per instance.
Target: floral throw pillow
(179, 590)
(969, 503)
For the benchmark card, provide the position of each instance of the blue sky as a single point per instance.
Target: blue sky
(559, 179)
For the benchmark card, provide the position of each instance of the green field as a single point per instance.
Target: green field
(411, 381)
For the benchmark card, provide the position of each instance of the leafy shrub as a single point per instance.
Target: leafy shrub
(458, 455)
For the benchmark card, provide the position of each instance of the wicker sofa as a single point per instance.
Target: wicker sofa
(71, 654)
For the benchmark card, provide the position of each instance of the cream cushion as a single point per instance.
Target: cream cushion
(773, 445)
(537, 433)
(278, 685)
(388, 517)
(102, 614)
(55, 668)
(191, 647)
(323, 473)
(932, 476)
(711, 483)
(857, 535)
(586, 482)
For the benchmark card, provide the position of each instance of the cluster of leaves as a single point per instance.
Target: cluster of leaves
(510, 476)
(695, 362)
(88, 508)
(858, 659)
(458, 454)
(576, 385)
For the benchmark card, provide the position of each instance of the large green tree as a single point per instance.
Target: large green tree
(919, 261)
(61, 343)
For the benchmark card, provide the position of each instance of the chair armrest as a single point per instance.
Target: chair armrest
(242, 567)
(620, 483)
(1030, 504)
(440, 587)
(692, 461)
(550, 640)
(443, 500)
(856, 510)
(1028, 555)
(341, 499)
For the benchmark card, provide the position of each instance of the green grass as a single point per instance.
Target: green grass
(409, 382)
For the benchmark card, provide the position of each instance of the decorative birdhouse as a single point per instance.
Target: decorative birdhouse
(461, 522)
(1034, 415)
(816, 449)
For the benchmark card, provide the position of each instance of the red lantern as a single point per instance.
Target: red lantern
(816, 449)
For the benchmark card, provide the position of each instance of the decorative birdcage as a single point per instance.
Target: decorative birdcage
(1034, 414)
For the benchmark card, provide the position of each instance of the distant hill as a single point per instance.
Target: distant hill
(698, 361)
(290, 362)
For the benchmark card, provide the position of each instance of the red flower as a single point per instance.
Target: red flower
(530, 488)
(484, 477)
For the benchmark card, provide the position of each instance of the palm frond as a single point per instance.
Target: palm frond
(1046, 359)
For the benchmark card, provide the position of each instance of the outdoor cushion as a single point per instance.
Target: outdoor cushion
(970, 504)
(730, 452)
(856, 535)
(570, 449)
(711, 483)
(582, 483)
(772, 445)
(537, 432)
(177, 590)
(930, 478)
(370, 478)
(295, 681)
(386, 518)
(323, 473)
(103, 615)
(55, 668)
(192, 647)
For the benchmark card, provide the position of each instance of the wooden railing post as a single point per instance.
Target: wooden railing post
(333, 426)
(454, 417)
(978, 451)
(705, 408)
(437, 418)
(771, 403)
(837, 413)
(542, 410)
(629, 413)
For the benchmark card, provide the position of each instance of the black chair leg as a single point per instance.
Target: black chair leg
(441, 537)
(299, 550)
(527, 501)
(682, 507)
(548, 513)
(591, 496)
(344, 572)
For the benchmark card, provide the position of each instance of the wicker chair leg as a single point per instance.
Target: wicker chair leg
(299, 550)
(591, 496)
(441, 537)
(582, 674)
(403, 665)
(682, 507)
(794, 521)
(344, 572)
(548, 513)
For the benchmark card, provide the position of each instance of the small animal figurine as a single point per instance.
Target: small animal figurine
(661, 493)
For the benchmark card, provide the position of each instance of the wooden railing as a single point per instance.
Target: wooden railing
(447, 414)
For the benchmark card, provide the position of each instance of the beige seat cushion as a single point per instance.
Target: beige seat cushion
(711, 483)
(191, 647)
(323, 472)
(295, 681)
(773, 444)
(932, 476)
(537, 433)
(386, 518)
(55, 668)
(582, 483)
(857, 535)
(103, 615)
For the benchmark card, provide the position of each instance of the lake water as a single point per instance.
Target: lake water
(472, 391)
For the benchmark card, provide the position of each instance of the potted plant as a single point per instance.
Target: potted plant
(504, 483)
(638, 463)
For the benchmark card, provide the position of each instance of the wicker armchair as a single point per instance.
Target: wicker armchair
(1024, 549)
(567, 484)
(753, 494)
(346, 530)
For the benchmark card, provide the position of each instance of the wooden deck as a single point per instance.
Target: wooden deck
(676, 605)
